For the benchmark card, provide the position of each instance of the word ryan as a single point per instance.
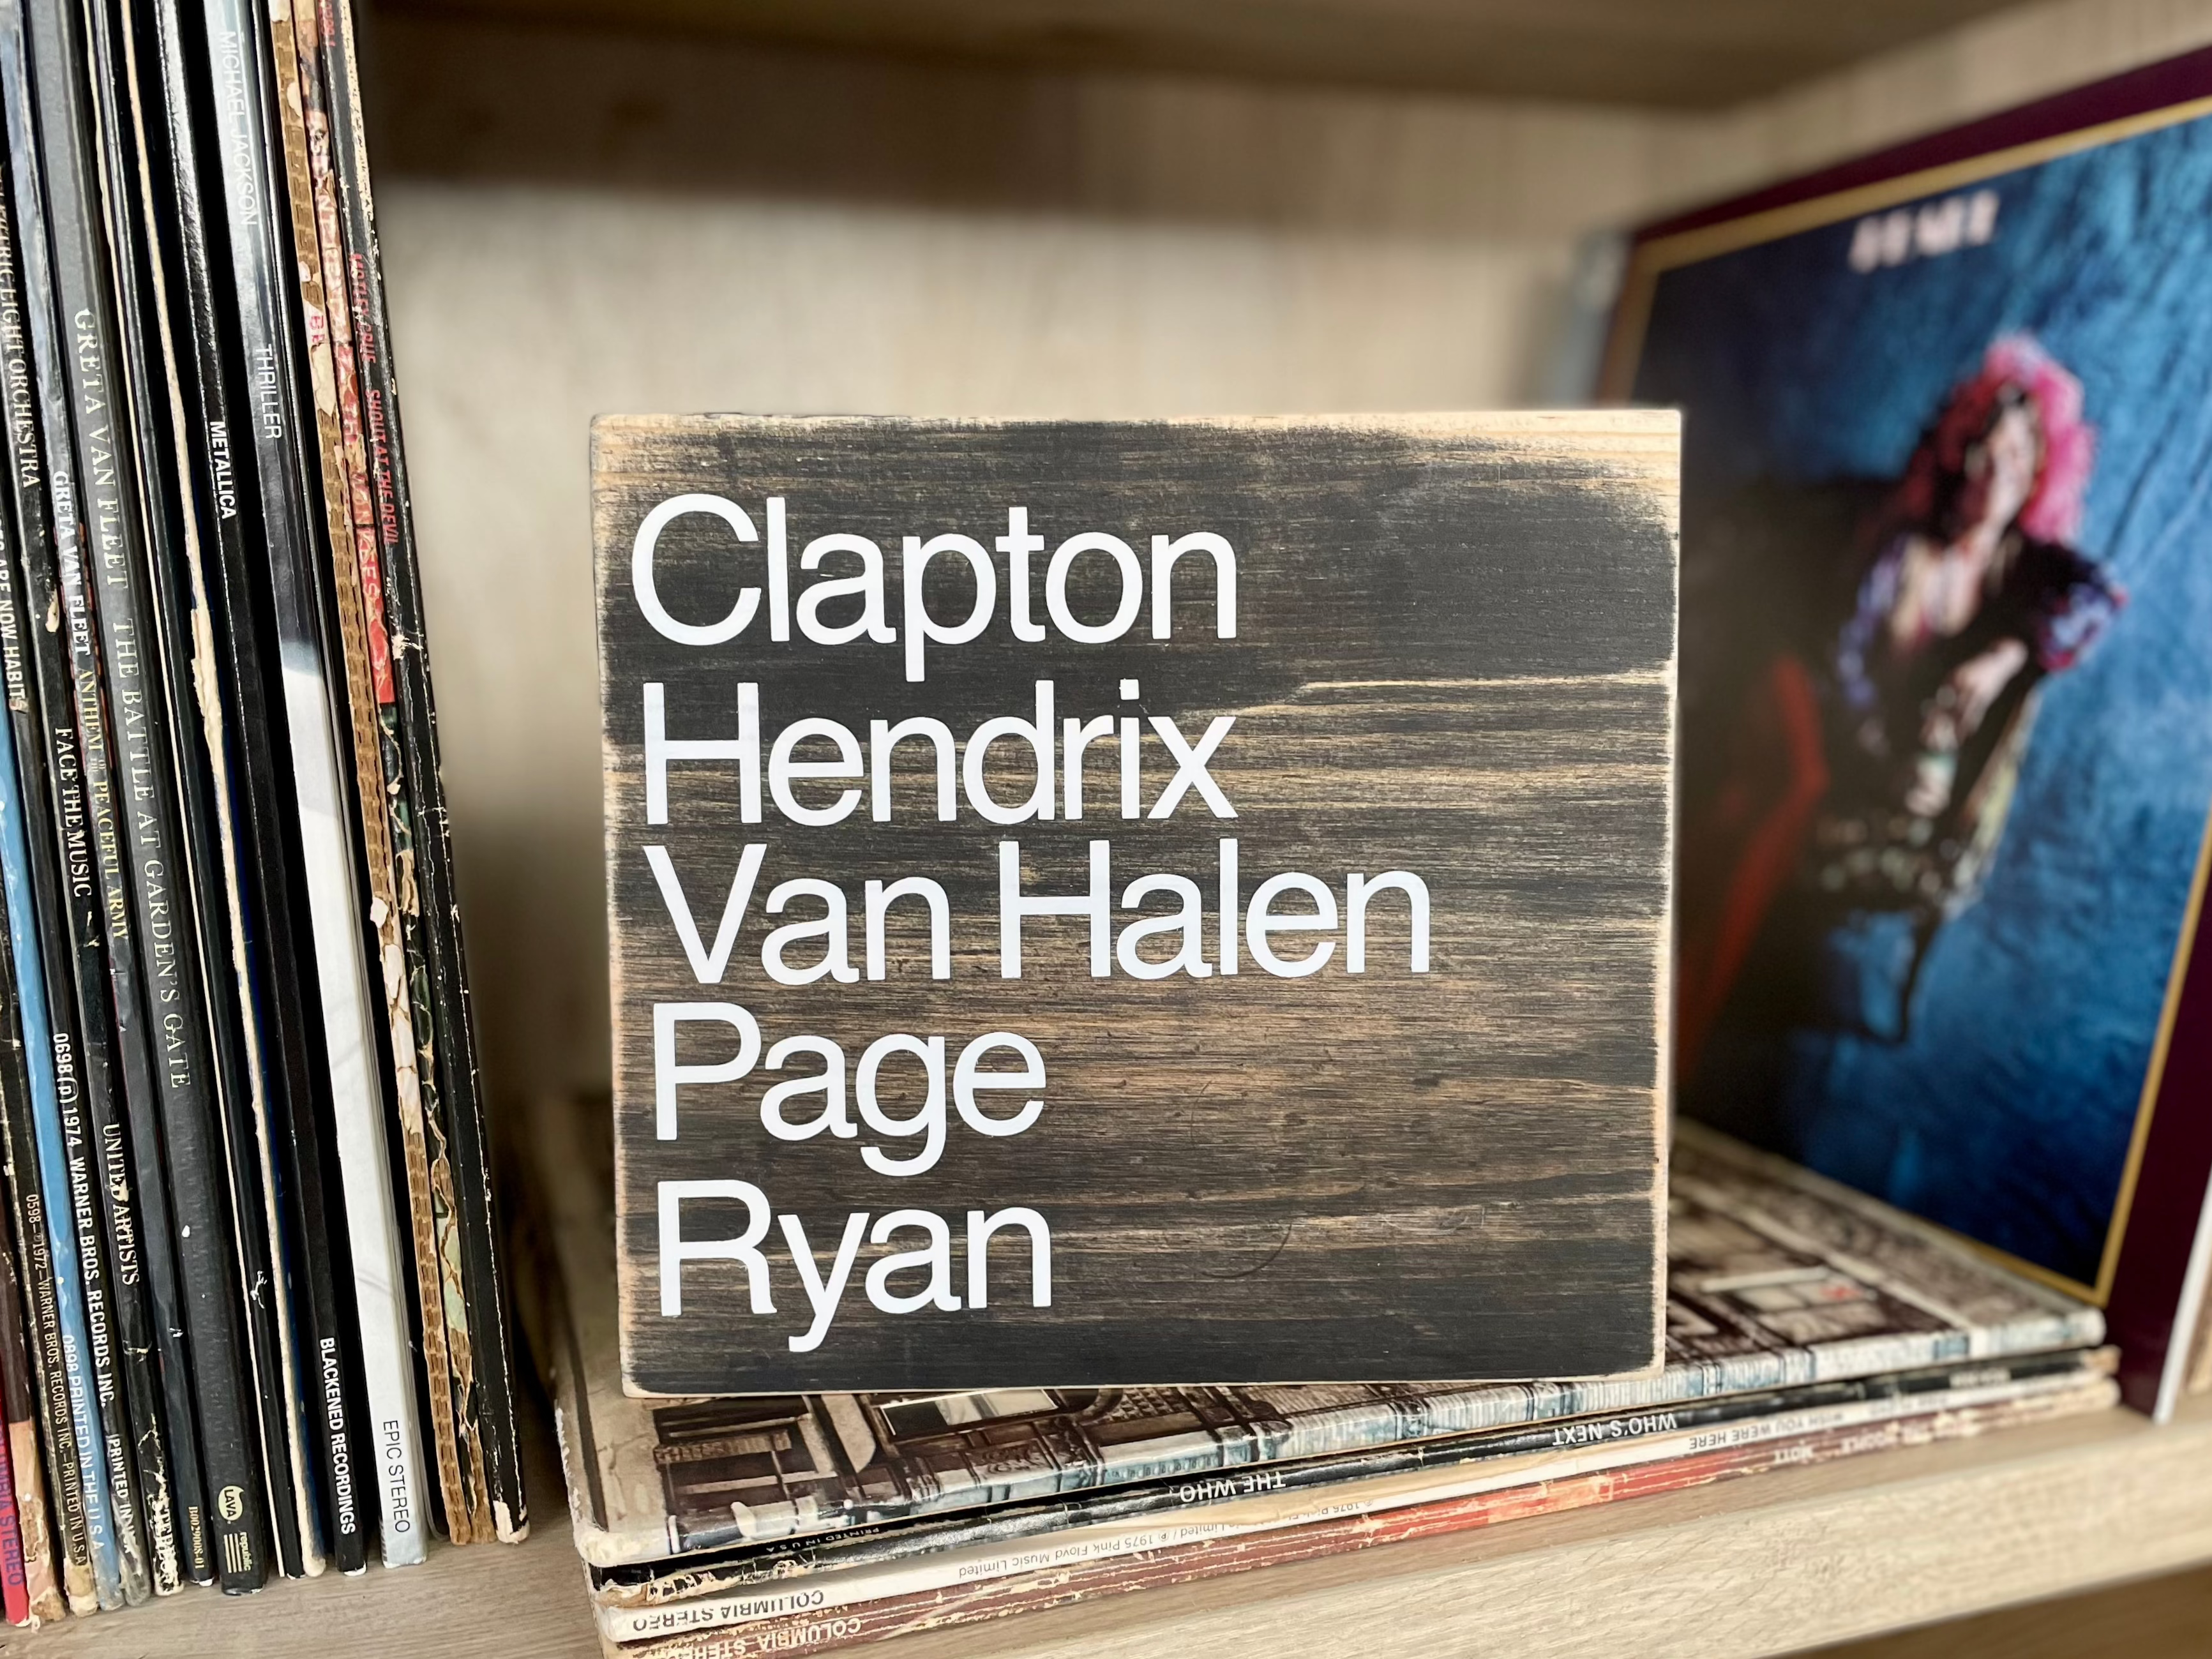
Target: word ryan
(1041, 763)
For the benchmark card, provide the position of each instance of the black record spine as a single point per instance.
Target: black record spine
(457, 1113)
(261, 273)
(29, 1327)
(95, 596)
(269, 1009)
(26, 1203)
(31, 1277)
(73, 1385)
(123, 1390)
(226, 1534)
(48, 1379)
(214, 664)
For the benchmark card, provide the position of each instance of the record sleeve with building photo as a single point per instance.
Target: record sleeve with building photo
(1805, 1323)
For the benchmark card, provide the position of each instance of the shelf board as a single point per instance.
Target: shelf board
(1688, 53)
(1766, 1565)
(525, 1599)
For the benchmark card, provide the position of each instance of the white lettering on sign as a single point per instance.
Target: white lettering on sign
(906, 1100)
(861, 577)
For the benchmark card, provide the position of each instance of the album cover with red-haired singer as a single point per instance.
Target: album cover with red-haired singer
(1946, 693)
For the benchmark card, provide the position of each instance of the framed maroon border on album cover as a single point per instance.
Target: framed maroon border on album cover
(1947, 715)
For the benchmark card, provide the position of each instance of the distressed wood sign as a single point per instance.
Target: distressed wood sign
(1118, 903)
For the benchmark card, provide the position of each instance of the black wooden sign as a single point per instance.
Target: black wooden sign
(1117, 903)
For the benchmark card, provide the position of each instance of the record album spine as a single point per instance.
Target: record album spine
(356, 643)
(57, 1560)
(1172, 1563)
(357, 1098)
(237, 43)
(25, 1301)
(28, 1591)
(1274, 1499)
(225, 1533)
(387, 832)
(49, 1447)
(35, 1379)
(233, 824)
(1454, 1409)
(208, 499)
(107, 653)
(15, 1603)
(38, 953)
(478, 1329)
(788, 1568)
(73, 926)
(35, 1140)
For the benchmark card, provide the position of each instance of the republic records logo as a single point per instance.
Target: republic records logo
(231, 1503)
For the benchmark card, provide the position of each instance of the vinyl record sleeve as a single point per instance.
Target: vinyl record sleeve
(468, 1232)
(14, 1605)
(354, 846)
(220, 1533)
(305, 861)
(67, 1541)
(32, 1577)
(745, 1586)
(1942, 882)
(1171, 1560)
(29, 1330)
(94, 1111)
(263, 1030)
(127, 786)
(222, 1247)
(39, 921)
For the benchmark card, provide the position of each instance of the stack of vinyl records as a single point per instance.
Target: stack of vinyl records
(252, 1319)
(1805, 1323)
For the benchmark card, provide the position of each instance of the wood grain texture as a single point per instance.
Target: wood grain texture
(1700, 53)
(1452, 655)
(2164, 1618)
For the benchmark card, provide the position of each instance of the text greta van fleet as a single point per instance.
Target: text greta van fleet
(1079, 764)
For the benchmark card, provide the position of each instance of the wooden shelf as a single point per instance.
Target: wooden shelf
(1689, 53)
(1766, 1565)
(1760, 1565)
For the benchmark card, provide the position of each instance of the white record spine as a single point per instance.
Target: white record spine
(357, 1107)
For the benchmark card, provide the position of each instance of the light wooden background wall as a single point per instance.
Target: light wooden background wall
(579, 222)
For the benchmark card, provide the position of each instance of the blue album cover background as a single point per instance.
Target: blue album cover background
(1931, 906)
